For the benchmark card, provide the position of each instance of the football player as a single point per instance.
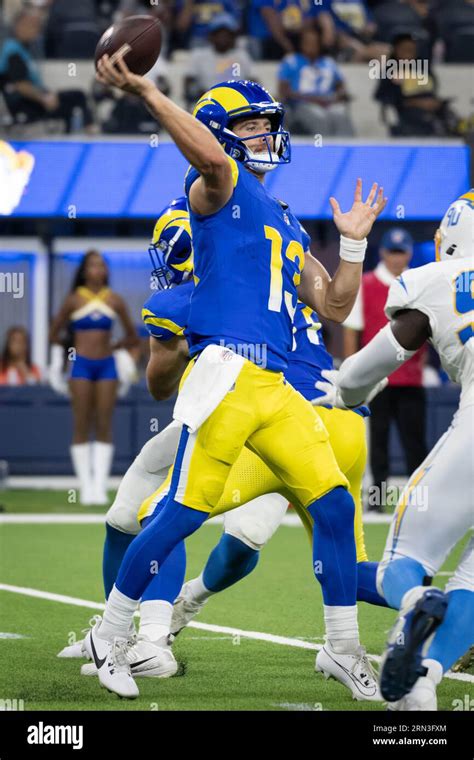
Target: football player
(248, 528)
(165, 314)
(249, 259)
(434, 628)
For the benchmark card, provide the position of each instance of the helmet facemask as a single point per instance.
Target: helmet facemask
(169, 267)
(277, 145)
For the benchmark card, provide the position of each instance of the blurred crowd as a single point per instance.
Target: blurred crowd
(225, 39)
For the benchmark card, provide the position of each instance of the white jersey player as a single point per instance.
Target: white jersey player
(436, 509)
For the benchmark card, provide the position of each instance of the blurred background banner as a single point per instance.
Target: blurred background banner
(136, 180)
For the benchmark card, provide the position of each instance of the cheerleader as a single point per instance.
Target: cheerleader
(89, 311)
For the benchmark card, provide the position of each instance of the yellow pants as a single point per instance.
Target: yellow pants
(250, 477)
(267, 415)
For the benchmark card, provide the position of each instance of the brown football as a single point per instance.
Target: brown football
(138, 38)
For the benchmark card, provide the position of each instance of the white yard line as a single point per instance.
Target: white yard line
(256, 635)
(291, 520)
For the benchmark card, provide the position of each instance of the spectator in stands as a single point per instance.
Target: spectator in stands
(275, 26)
(72, 30)
(312, 87)
(16, 367)
(194, 17)
(26, 96)
(219, 61)
(12, 7)
(126, 114)
(403, 400)
(413, 93)
(349, 30)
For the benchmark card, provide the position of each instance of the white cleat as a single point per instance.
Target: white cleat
(421, 697)
(152, 659)
(110, 658)
(76, 650)
(149, 659)
(352, 670)
(184, 610)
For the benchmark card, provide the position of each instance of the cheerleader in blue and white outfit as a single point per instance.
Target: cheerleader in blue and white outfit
(89, 311)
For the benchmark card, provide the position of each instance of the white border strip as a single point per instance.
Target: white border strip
(256, 635)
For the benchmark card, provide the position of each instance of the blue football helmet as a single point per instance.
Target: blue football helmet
(226, 102)
(171, 250)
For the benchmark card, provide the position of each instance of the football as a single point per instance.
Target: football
(137, 38)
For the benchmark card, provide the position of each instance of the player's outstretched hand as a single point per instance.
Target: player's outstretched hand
(357, 222)
(114, 72)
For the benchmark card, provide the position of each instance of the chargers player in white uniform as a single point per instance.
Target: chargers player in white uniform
(436, 509)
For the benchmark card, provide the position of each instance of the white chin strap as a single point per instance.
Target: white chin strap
(256, 161)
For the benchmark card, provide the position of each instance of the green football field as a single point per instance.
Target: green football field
(227, 666)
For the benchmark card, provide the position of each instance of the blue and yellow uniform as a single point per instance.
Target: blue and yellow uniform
(247, 264)
(95, 314)
(250, 477)
(248, 259)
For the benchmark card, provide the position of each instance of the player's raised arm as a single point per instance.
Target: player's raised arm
(195, 141)
(387, 351)
(333, 298)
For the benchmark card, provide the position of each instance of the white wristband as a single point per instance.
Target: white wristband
(352, 250)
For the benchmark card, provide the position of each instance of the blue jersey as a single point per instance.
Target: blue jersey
(309, 356)
(204, 11)
(248, 258)
(166, 313)
(320, 77)
(292, 14)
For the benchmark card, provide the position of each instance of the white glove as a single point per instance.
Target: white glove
(126, 371)
(331, 394)
(55, 372)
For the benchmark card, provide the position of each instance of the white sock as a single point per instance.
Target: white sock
(102, 454)
(118, 615)
(196, 591)
(342, 630)
(155, 619)
(435, 670)
(81, 462)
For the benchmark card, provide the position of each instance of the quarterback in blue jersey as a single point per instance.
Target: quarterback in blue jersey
(247, 529)
(227, 400)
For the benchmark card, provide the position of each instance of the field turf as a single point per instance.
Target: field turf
(220, 670)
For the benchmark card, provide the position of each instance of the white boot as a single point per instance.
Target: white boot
(353, 670)
(102, 454)
(110, 660)
(81, 462)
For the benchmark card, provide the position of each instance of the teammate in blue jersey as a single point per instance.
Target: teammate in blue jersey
(227, 401)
